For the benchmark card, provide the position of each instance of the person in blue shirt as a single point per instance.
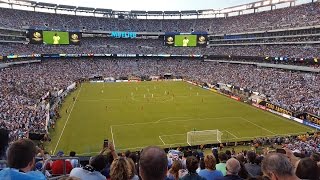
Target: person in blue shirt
(21, 160)
(210, 172)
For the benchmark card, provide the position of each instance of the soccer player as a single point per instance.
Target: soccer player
(185, 42)
(56, 39)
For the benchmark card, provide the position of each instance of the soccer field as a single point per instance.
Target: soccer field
(138, 114)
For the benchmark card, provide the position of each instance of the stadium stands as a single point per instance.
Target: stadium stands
(27, 88)
(289, 17)
(23, 86)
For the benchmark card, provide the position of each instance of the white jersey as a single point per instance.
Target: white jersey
(56, 39)
(185, 42)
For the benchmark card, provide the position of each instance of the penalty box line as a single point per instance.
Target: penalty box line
(159, 121)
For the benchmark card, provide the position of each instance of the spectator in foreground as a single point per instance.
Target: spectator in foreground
(222, 165)
(120, 169)
(233, 168)
(57, 165)
(132, 169)
(307, 169)
(173, 173)
(192, 166)
(210, 172)
(253, 169)
(92, 170)
(21, 160)
(153, 164)
(277, 166)
(74, 162)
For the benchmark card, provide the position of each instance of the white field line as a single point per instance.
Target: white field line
(170, 118)
(114, 145)
(118, 99)
(177, 144)
(166, 135)
(232, 134)
(257, 125)
(162, 140)
(65, 124)
(155, 122)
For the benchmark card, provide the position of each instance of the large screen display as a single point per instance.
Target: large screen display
(185, 40)
(55, 37)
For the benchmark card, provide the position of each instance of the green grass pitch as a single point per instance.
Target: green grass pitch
(48, 37)
(128, 115)
(178, 39)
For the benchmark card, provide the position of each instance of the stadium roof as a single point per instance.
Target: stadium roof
(136, 13)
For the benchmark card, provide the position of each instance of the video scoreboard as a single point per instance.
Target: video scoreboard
(186, 39)
(53, 37)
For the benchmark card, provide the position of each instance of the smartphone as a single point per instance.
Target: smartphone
(105, 143)
(282, 151)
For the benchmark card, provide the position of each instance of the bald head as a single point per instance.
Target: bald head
(233, 166)
(277, 164)
(153, 163)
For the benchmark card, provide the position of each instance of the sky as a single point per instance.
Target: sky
(162, 5)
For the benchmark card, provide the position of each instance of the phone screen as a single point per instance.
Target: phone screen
(105, 143)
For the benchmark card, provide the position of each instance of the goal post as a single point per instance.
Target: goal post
(204, 137)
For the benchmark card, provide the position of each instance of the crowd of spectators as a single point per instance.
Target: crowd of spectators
(22, 87)
(153, 163)
(283, 18)
(156, 46)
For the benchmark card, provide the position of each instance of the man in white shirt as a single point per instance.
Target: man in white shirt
(185, 42)
(91, 171)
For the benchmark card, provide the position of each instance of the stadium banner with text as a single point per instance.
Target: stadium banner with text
(276, 108)
(55, 37)
(193, 39)
(35, 36)
(122, 34)
(309, 117)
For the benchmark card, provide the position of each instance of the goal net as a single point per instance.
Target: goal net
(203, 137)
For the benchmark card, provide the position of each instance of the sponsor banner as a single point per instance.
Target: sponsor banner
(125, 55)
(259, 106)
(309, 117)
(12, 56)
(311, 124)
(235, 98)
(51, 55)
(276, 108)
(122, 80)
(73, 55)
(120, 34)
(71, 86)
(97, 81)
(213, 90)
(286, 116)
